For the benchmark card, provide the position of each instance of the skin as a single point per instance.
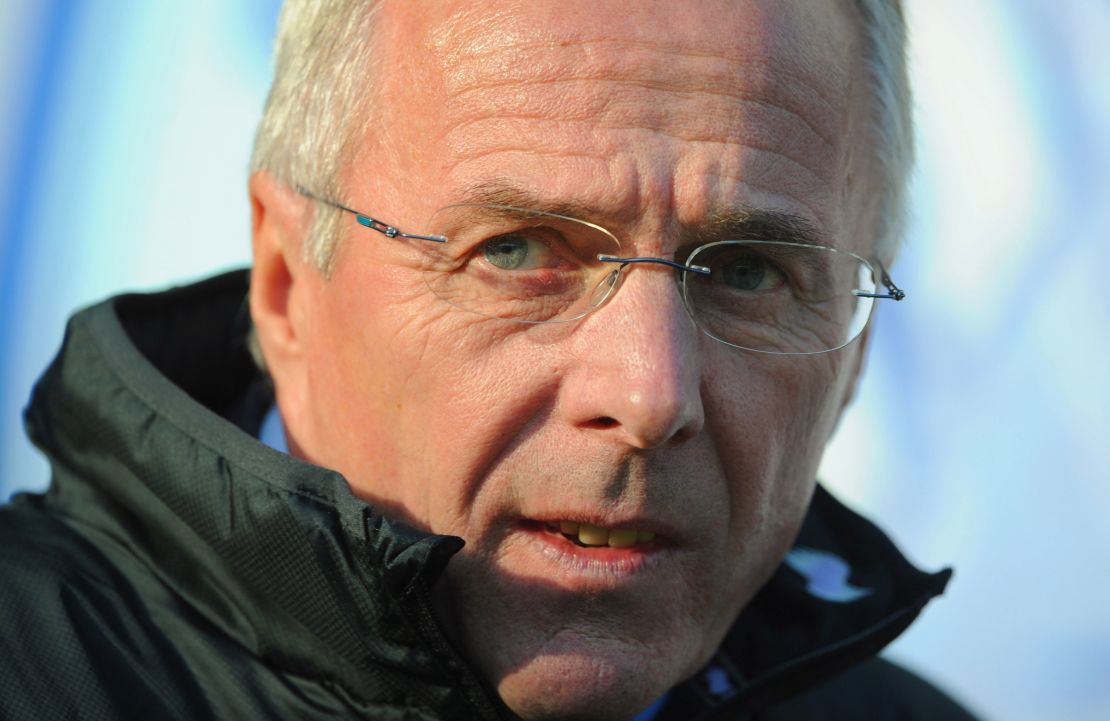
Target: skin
(653, 117)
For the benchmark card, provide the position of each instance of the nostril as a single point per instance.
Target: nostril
(603, 422)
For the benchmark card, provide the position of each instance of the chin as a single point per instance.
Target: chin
(582, 678)
(577, 689)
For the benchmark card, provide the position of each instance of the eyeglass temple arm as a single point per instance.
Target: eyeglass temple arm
(699, 269)
(895, 293)
(372, 223)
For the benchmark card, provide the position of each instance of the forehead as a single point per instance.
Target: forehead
(737, 43)
(685, 108)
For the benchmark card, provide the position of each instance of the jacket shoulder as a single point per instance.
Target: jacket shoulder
(85, 647)
(48, 571)
(877, 689)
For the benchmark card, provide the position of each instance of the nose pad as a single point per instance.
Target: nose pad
(606, 288)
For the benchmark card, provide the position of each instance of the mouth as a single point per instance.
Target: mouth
(585, 535)
(583, 556)
(590, 543)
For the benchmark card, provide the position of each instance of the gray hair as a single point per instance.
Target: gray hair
(318, 103)
(884, 53)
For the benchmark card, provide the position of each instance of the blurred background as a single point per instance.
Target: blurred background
(981, 438)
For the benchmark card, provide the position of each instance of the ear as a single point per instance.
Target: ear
(280, 220)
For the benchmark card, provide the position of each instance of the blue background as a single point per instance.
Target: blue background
(981, 437)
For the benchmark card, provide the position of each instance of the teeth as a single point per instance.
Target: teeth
(622, 537)
(588, 535)
(593, 536)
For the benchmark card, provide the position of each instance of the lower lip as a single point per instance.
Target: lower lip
(603, 561)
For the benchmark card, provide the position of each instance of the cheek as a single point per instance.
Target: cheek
(371, 362)
(419, 399)
(493, 395)
(771, 417)
(778, 402)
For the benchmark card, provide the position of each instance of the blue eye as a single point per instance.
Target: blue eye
(751, 271)
(508, 252)
(531, 250)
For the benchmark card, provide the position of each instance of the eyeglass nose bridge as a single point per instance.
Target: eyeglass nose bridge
(609, 285)
(699, 269)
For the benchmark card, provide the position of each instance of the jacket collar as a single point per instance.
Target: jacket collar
(274, 553)
(841, 595)
(280, 556)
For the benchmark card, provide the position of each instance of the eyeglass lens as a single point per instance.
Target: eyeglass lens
(537, 267)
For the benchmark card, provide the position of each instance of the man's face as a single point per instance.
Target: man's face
(652, 118)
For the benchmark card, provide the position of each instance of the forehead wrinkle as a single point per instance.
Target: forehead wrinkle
(760, 125)
(688, 115)
(599, 203)
(795, 95)
(499, 47)
(740, 221)
(687, 95)
(524, 75)
(562, 178)
(753, 144)
(501, 52)
(768, 53)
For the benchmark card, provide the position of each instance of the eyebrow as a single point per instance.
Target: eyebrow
(740, 222)
(748, 223)
(503, 193)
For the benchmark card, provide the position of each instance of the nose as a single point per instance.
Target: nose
(638, 370)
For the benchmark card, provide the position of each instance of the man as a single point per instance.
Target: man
(558, 305)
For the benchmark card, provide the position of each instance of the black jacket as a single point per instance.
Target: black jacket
(179, 569)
